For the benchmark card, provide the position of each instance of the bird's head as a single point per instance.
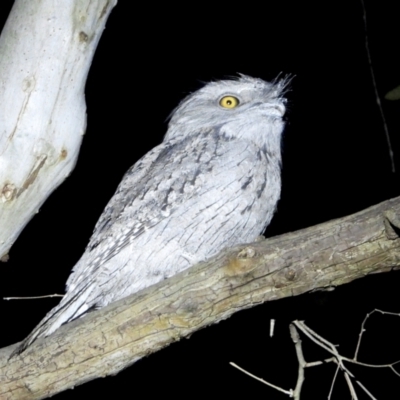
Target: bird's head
(244, 107)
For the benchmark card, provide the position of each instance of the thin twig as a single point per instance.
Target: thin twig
(321, 342)
(360, 335)
(351, 387)
(365, 390)
(33, 297)
(362, 330)
(300, 357)
(288, 392)
(377, 98)
(337, 359)
(271, 327)
(333, 381)
(332, 349)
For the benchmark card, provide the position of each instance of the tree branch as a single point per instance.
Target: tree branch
(107, 341)
(46, 48)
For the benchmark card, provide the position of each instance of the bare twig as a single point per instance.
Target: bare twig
(337, 359)
(300, 357)
(365, 390)
(377, 98)
(333, 381)
(351, 387)
(321, 342)
(288, 392)
(363, 328)
(34, 297)
(271, 327)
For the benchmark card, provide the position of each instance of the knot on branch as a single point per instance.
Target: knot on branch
(392, 224)
(8, 192)
(244, 262)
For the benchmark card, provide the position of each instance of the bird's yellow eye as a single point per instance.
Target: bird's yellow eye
(229, 102)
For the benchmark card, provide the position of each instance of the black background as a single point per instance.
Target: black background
(335, 162)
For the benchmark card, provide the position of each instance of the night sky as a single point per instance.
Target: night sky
(335, 162)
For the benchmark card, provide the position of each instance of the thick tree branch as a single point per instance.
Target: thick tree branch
(46, 48)
(106, 341)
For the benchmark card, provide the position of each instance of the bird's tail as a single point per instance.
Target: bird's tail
(72, 306)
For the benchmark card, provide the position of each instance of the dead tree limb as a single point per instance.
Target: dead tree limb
(107, 341)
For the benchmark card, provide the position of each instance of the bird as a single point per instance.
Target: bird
(212, 183)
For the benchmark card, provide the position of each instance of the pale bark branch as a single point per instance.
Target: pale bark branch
(107, 341)
(46, 49)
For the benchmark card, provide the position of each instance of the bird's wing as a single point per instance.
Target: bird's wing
(129, 188)
(153, 189)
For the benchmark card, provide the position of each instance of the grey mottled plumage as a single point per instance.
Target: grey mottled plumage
(212, 183)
